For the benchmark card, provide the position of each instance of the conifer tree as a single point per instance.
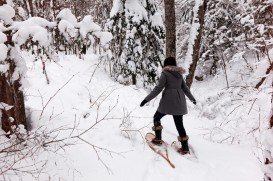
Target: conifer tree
(138, 41)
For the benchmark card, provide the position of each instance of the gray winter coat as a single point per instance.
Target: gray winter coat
(173, 101)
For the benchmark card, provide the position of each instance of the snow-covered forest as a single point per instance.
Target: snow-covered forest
(73, 75)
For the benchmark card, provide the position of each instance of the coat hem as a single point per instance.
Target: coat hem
(173, 114)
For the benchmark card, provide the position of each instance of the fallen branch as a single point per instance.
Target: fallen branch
(44, 72)
(263, 79)
(93, 73)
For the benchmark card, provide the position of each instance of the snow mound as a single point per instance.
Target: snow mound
(7, 13)
(37, 33)
(3, 37)
(67, 15)
(136, 9)
(34, 21)
(87, 25)
(3, 54)
(67, 29)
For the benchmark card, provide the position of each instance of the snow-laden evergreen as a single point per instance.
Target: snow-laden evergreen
(10, 56)
(138, 31)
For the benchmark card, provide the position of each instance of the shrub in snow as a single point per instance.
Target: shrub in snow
(76, 37)
(234, 109)
(138, 40)
(45, 38)
(34, 34)
(229, 29)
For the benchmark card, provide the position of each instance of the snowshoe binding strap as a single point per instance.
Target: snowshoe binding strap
(157, 141)
(157, 128)
(185, 138)
(183, 152)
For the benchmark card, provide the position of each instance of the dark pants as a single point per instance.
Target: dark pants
(178, 120)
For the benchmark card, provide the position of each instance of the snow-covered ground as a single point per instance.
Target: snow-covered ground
(81, 103)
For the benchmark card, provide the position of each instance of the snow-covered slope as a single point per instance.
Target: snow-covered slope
(81, 103)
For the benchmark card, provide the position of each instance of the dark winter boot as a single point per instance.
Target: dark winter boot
(185, 147)
(158, 131)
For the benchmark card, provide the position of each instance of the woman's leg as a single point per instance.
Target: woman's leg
(178, 120)
(183, 138)
(157, 124)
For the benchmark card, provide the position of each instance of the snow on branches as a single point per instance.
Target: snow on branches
(6, 13)
(43, 36)
(79, 35)
(137, 28)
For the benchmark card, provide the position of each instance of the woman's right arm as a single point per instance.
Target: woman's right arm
(187, 91)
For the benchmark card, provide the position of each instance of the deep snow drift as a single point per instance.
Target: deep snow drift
(81, 103)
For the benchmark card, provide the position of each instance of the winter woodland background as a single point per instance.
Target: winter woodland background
(73, 73)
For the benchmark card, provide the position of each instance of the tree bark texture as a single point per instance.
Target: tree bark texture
(13, 96)
(170, 28)
(197, 43)
(10, 92)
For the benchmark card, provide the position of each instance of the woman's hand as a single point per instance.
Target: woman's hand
(143, 103)
(194, 102)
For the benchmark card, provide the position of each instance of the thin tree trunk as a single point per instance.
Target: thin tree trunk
(271, 118)
(10, 92)
(170, 28)
(31, 12)
(197, 43)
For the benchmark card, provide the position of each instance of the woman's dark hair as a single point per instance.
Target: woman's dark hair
(170, 61)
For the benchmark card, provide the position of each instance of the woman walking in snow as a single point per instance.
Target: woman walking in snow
(173, 101)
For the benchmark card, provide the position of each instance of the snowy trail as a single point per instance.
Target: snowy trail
(216, 162)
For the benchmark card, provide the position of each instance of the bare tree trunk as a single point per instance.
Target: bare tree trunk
(10, 92)
(170, 28)
(197, 43)
(30, 5)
